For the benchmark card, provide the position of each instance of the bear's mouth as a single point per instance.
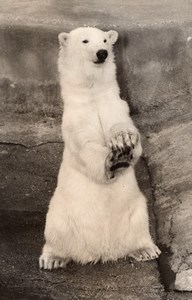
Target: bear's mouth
(99, 61)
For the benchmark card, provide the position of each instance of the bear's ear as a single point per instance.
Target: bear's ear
(113, 36)
(63, 38)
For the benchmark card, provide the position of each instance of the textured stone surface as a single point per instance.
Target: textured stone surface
(178, 296)
(28, 176)
(169, 155)
(184, 280)
(156, 78)
(29, 130)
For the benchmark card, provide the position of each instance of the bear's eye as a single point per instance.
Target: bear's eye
(105, 41)
(85, 41)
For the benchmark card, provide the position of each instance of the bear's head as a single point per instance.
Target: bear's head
(87, 46)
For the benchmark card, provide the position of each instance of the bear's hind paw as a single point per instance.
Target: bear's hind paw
(49, 262)
(145, 254)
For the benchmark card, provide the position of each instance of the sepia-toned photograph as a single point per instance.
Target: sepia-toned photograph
(95, 150)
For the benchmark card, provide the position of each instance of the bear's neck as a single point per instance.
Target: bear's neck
(86, 83)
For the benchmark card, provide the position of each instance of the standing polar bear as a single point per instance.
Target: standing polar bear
(97, 211)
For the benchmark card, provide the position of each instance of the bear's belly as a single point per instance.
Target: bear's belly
(93, 238)
(96, 224)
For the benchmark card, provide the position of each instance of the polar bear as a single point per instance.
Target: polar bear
(97, 211)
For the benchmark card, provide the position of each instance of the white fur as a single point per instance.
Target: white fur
(92, 217)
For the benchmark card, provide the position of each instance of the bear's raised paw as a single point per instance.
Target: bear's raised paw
(117, 160)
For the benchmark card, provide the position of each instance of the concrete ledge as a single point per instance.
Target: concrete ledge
(29, 130)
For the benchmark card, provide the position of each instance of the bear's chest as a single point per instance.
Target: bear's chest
(84, 122)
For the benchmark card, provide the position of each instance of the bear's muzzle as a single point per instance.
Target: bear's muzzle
(101, 55)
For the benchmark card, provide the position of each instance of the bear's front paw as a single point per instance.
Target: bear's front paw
(117, 160)
(124, 140)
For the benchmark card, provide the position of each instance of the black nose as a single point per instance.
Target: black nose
(102, 55)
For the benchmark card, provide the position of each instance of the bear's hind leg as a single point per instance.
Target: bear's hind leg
(143, 246)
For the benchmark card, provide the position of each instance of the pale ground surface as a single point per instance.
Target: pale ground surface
(154, 59)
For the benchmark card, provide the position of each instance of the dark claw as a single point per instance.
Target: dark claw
(113, 149)
(120, 155)
(119, 149)
(128, 149)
